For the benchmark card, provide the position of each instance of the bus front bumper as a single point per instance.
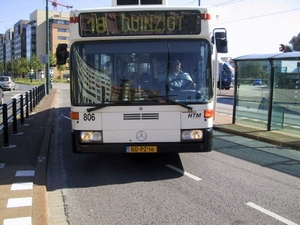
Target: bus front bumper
(161, 147)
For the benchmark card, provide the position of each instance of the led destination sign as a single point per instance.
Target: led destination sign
(139, 23)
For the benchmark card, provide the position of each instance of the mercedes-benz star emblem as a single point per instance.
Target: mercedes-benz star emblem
(141, 135)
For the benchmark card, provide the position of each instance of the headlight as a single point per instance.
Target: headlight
(91, 136)
(187, 135)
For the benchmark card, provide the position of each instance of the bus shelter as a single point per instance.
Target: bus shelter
(267, 91)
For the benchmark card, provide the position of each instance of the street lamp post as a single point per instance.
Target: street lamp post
(47, 51)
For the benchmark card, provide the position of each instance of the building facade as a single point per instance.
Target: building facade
(31, 39)
(20, 39)
(28, 37)
(2, 55)
(9, 45)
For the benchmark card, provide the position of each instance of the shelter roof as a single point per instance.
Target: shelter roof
(257, 57)
(276, 56)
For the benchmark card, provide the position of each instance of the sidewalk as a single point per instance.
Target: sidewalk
(23, 163)
(223, 123)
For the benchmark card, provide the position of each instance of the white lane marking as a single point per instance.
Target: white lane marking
(25, 173)
(20, 220)
(21, 186)
(269, 213)
(19, 202)
(183, 172)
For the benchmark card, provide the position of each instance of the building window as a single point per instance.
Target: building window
(63, 38)
(63, 30)
(55, 21)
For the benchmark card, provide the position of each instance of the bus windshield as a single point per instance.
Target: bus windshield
(135, 72)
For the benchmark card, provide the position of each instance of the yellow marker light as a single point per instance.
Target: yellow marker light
(74, 115)
(209, 113)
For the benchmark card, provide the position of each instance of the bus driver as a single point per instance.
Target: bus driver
(179, 79)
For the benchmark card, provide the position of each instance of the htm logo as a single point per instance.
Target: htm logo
(194, 115)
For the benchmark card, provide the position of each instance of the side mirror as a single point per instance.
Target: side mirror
(61, 54)
(220, 40)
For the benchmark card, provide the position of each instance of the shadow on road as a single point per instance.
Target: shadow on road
(261, 153)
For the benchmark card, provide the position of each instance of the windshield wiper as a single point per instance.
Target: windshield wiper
(105, 105)
(96, 108)
(166, 97)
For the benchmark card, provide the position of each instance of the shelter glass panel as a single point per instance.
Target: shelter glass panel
(252, 99)
(286, 96)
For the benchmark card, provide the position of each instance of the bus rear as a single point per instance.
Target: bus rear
(123, 98)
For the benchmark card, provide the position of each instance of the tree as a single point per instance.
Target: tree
(52, 59)
(23, 66)
(9, 68)
(20, 67)
(36, 63)
(61, 68)
(14, 67)
(248, 70)
(3, 68)
(295, 42)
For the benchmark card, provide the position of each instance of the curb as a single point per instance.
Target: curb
(40, 212)
(259, 135)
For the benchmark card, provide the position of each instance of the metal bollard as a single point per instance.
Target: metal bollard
(33, 97)
(5, 124)
(14, 114)
(30, 100)
(27, 104)
(22, 109)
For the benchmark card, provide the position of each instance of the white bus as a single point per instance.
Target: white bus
(125, 96)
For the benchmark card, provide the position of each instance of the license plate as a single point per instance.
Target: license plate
(141, 149)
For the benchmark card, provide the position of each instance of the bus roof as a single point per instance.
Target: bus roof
(75, 12)
(138, 2)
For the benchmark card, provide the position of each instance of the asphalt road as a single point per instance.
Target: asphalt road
(21, 89)
(241, 181)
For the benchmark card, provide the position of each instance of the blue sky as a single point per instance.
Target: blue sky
(253, 26)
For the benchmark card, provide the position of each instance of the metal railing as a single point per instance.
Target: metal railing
(18, 109)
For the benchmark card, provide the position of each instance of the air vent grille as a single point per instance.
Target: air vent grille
(127, 2)
(141, 116)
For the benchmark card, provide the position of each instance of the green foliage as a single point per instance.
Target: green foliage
(249, 70)
(52, 59)
(36, 63)
(36, 82)
(21, 67)
(3, 68)
(295, 42)
(60, 81)
(28, 81)
(61, 68)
